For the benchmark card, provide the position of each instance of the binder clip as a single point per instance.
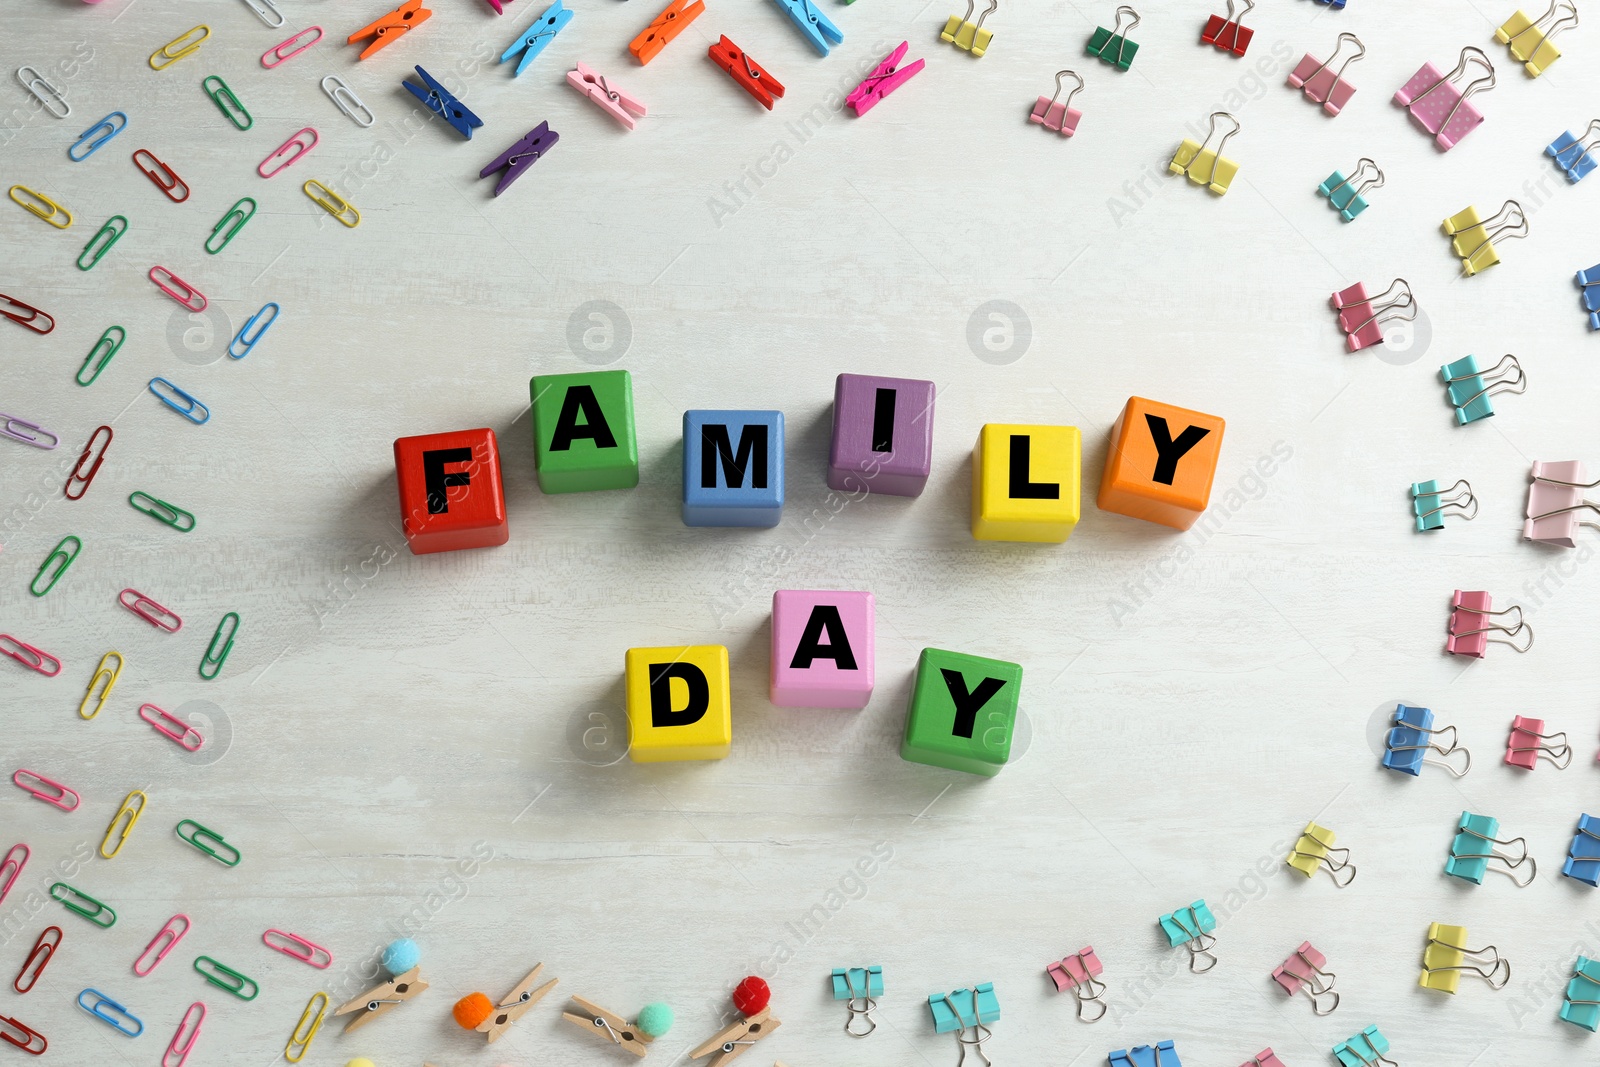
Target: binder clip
(1207, 166)
(1528, 744)
(613, 101)
(1572, 153)
(441, 101)
(860, 988)
(654, 1020)
(885, 78)
(813, 24)
(1583, 855)
(520, 156)
(1472, 238)
(1475, 846)
(665, 29)
(534, 39)
(1060, 117)
(1429, 503)
(1080, 972)
(1589, 282)
(1362, 317)
(1555, 499)
(1321, 82)
(1161, 1054)
(1191, 927)
(1265, 1058)
(751, 998)
(477, 1012)
(1304, 971)
(967, 35)
(963, 1010)
(746, 72)
(1113, 45)
(1348, 195)
(1469, 628)
(1337, 4)
(1227, 33)
(1469, 389)
(1580, 1005)
(1365, 1049)
(391, 27)
(1528, 40)
(1411, 738)
(1446, 957)
(1315, 850)
(1439, 105)
(399, 959)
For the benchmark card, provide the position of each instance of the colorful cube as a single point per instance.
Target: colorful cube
(882, 435)
(732, 468)
(822, 649)
(1026, 482)
(450, 491)
(583, 431)
(678, 705)
(1161, 463)
(963, 711)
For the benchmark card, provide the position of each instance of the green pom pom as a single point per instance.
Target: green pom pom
(654, 1019)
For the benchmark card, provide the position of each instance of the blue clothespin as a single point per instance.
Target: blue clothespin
(520, 156)
(535, 37)
(1583, 858)
(813, 23)
(1469, 389)
(1161, 1054)
(1348, 194)
(1589, 282)
(1572, 153)
(1429, 502)
(441, 102)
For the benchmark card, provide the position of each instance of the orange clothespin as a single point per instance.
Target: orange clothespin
(665, 29)
(392, 26)
(746, 71)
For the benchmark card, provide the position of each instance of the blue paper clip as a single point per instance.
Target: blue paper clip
(1583, 857)
(813, 23)
(1410, 739)
(1161, 1054)
(1191, 927)
(441, 102)
(112, 1020)
(180, 401)
(93, 142)
(1429, 502)
(1348, 195)
(1469, 389)
(244, 340)
(1589, 282)
(1572, 153)
(535, 37)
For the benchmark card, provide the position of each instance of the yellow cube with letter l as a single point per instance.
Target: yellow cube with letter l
(1025, 482)
(678, 707)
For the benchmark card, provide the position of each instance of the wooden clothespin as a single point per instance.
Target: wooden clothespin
(379, 999)
(515, 1005)
(751, 998)
(654, 1020)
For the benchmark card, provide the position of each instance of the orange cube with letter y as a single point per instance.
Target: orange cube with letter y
(451, 496)
(1025, 482)
(1161, 463)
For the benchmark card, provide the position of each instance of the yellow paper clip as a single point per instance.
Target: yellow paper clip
(306, 1029)
(110, 675)
(332, 203)
(37, 205)
(132, 811)
(1207, 166)
(175, 50)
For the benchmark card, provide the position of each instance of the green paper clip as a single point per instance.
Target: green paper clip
(213, 658)
(160, 510)
(226, 102)
(115, 233)
(235, 216)
(198, 838)
(57, 553)
(226, 978)
(77, 908)
(101, 354)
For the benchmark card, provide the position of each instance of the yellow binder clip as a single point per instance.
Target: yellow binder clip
(1315, 849)
(1446, 956)
(186, 45)
(1529, 39)
(1207, 166)
(1472, 237)
(332, 203)
(967, 35)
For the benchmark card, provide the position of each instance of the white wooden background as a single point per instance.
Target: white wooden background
(387, 721)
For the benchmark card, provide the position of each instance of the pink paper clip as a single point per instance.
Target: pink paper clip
(183, 1041)
(276, 54)
(1362, 317)
(161, 618)
(607, 97)
(1305, 970)
(1469, 627)
(178, 289)
(1555, 499)
(1526, 746)
(1439, 106)
(1056, 114)
(1079, 973)
(60, 797)
(11, 868)
(1321, 82)
(888, 76)
(78, 481)
(162, 717)
(165, 941)
(35, 659)
(297, 948)
(284, 157)
(1265, 1058)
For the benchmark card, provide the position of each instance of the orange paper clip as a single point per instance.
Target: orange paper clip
(178, 289)
(188, 739)
(165, 941)
(51, 793)
(94, 454)
(392, 26)
(151, 612)
(164, 177)
(665, 29)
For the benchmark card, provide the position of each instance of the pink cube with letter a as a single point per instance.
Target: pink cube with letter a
(822, 648)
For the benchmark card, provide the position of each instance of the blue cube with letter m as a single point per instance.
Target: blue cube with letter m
(732, 468)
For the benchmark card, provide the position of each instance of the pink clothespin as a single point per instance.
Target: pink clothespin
(607, 97)
(1439, 105)
(884, 79)
(1056, 114)
(1529, 743)
(1469, 627)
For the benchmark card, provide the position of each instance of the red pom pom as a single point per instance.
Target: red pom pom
(471, 1010)
(751, 995)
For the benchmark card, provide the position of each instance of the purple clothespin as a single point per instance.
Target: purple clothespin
(520, 156)
(883, 81)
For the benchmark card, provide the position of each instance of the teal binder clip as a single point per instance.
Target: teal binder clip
(1475, 846)
(1429, 502)
(1348, 195)
(1470, 388)
(861, 987)
(1365, 1049)
(966, 1010)
(1191, 927)
(1581, 1004)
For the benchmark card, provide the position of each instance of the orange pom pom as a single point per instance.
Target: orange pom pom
(471, 1010)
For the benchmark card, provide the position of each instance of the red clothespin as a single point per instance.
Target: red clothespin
(665, 29)
(520, 156)
(609, 98)
(885, 78)
(392, 27)
(746, 71)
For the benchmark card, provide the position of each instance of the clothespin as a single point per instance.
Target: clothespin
(885, 78)
(1469, 389)
(1472, 237)
(860, 988)
(963, 1010)
(1265, 1058)
(1113, 45)
(1061, 117)
(665, 29)
(1583, 855)
(1468, 631)
(654, 1020)
(1429, 503)
(1080, 972)
(1555, 500)
(1207, 166)
(1365, 1049)
(1445, 957)
(1572, 153)
(812, 23)
(1191, 927)
(1439, 106)
(1475, 844)
(751, 998)
(476, 1012)
(1580, 1004)
(1348, 195)
(746, 71)
(1304, 971)
(391, 27)
(1528, 744)
(1589, 283)
(498, 5)
(535, 37)
(1314, 850)
(442, 102)
(1227, 33)
(1362, 317)
(520, 156)
(399, 959)
(1410, 739)
(607, 97)
(1161, 1054)
(967, 35)
(1528, 40)
(1325, 86)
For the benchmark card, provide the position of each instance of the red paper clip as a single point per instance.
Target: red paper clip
(294, 947)
(746, 71)
(183, 1041)
(11, 869)
(33, 1042)
(80, 480)
(44, 951)
(184, 294)
(283, 153)
(12, 308)
(61, 792)
(33, 658)
(165, 941)
(165, 178)
(167, 717)
(162, 618)
(276, 54)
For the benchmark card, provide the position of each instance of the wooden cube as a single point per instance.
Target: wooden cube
(732, 468)
(583, 431)
(822, 649)
(678, 703)
(1026, 482)
(1161, 463)
(963, 711)
(451, 496)
(882, 435)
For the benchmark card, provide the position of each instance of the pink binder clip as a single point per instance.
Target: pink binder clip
(1555, 499)
(1469, 628)
(151, 612)
(1362, 317)
(288, 153)
(297, 947)
(278, 53)
(165, 941)
(885, 78)
(189, 739)
(1079, 973)
(178, 289)
(35, 659)
(1265, 1058)
(607, 97)
(1527, 745)
(1305, 971)
(1057, 114)
(11, 870)
(51, 792)
(1439, 105)
(1324, 84)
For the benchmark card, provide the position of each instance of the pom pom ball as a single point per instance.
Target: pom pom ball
(361, 1061)
(471, 1010)
(751, 995)
(401, 956)
(654, 1019)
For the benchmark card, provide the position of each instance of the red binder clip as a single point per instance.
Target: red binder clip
(746, 71)
(391, 27)
(1227, 33)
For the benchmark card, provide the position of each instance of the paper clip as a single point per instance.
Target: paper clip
(101, 354)
(55, 565)
(1474, 845)
(226, 978)
(209, 842)
(78, 481)
(1580, 1005)
(118, 1016)
(189, 738)
(1583, 855)
(178, 289)
(1348, 195)
(297, 947)
(1411, 738)
(665, 29)
(41, 90)
(95, 253)
(180, 401)
(346, 100)
(161, 618)
(952, 1015)
(1161, 1054)
(1446, 956)
(1429, 503)
(29, 433)
(813, 24)
(213, 658)
(967, 35)
(1325, 86)
(41, 206)
(1467, 633)
(1303, 970)
(1555, 502)
(1572, 154)
(534, 39)
(1080, 972)
(1447, 117)
(32, 1041)
(10, 871)
(188, 44)
(164, 177)
(165, 941)
(76, 901)
(1469, 389)
(1061, 116)
(13, 309)
(162, 511)
(442, 101)
(1537, 53)
(230, 224)
(305, 1031)
(276, 54)
(1471, 235)
(227, 103)
(244, 340)
(286, 154)
(885, 78)
(103, 672)
(1362, 317)
(859, 988)
(622, 107)
(520, 156)
(131, 810)
(39, 958)
(183, 1041)
(1191, 927)
(1228, 33)
(91, 139)
(1103, 40)
(35, 659)
(746, 72)
(31, 781)
(332, 203)
(391, 27)
(1528, 744)
(1314, 850)
(1365, 1049)
(266, 12)
(1191, 159)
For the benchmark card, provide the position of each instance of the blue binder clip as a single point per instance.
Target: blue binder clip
(1333, 3)
(541, 33)
(1583, 858)
(441, 102)
(1161, 1054)
(1572, 153)
(1348, 195)
(1581, 1004)
(1589, 282)
(861, 987)
(1191, 927)
(813, 23)
(1365, 1049)
(964, 1010)
(1410, 739)
(1474, 846)
(1469, 388)
(1429, 502)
